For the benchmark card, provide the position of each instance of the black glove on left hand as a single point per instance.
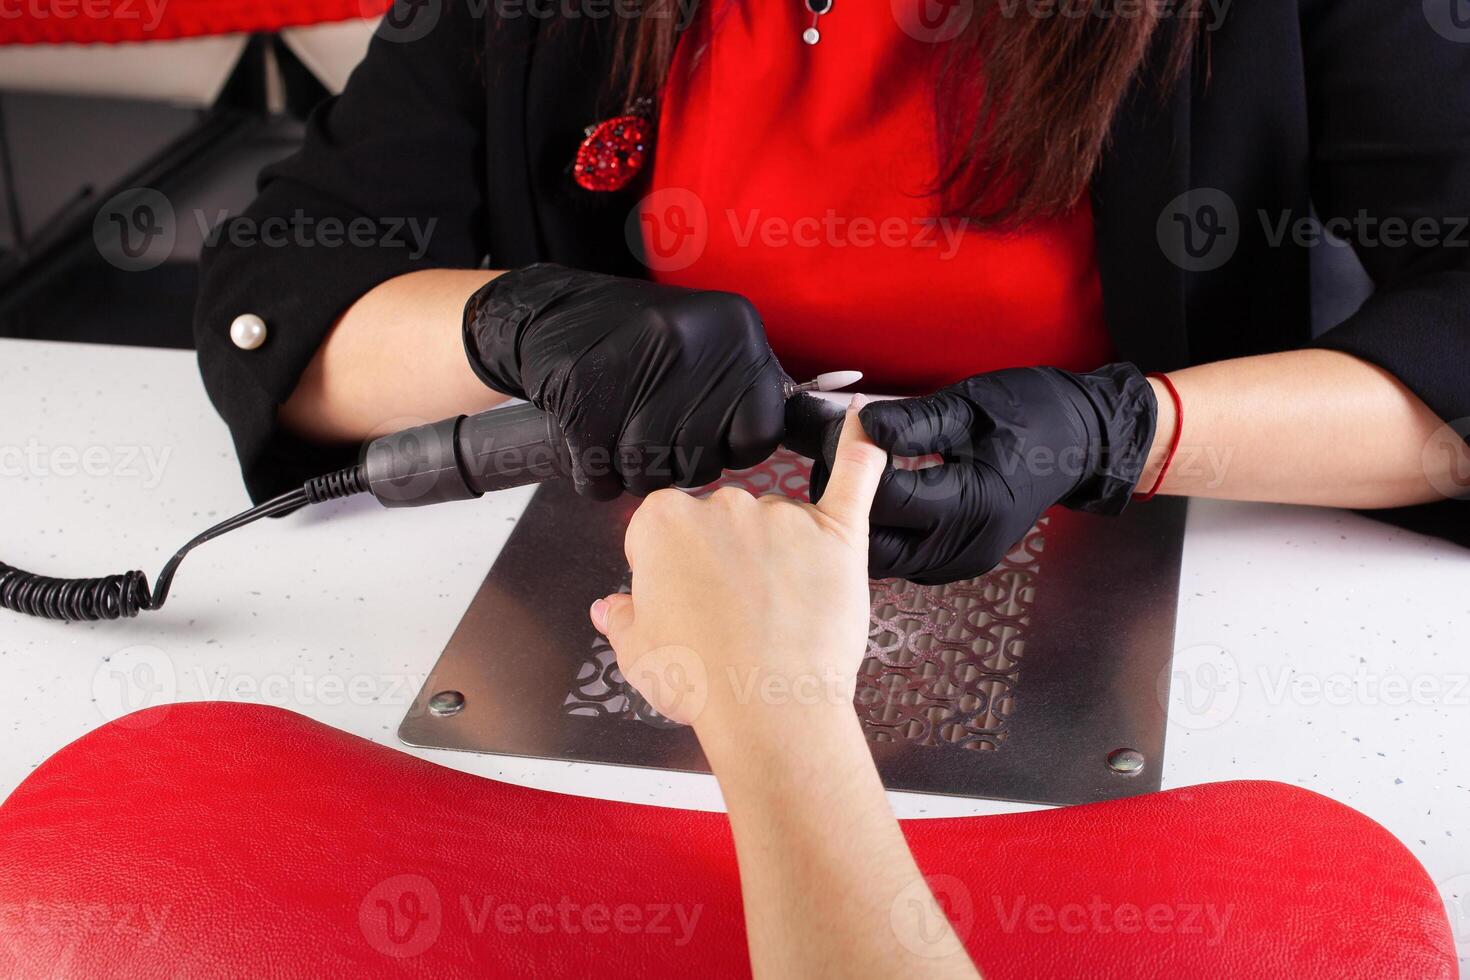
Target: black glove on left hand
(1014, 443)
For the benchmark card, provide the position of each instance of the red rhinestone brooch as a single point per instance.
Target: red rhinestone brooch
(614, 151)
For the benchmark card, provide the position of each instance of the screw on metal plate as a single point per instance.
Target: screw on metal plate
(446, 703)
(1128, 762)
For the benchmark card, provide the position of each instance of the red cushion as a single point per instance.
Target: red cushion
(239, 840)
(112, 21)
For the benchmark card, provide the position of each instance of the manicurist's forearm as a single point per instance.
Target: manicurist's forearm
(396, 356)
(829, 885)
(1304, 427)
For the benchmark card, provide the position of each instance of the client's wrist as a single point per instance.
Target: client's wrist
(762, 732)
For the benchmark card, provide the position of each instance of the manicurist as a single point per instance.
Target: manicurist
(1082, 236)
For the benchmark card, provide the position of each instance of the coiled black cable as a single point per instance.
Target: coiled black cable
(124, 596)
(68, 599)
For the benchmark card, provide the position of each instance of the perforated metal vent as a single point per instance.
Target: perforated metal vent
(1018, 684)
(943, 661)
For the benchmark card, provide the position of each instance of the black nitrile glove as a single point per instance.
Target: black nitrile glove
(653, 385)
(1014, 443)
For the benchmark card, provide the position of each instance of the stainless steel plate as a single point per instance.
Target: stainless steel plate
(1044, 680)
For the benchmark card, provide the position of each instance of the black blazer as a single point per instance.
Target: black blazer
(1359, 107)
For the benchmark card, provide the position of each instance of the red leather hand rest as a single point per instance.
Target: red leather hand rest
(213, 840)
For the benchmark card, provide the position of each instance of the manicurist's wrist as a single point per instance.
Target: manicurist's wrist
(1165, 425)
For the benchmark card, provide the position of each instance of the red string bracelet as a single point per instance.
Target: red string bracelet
(1174, 442)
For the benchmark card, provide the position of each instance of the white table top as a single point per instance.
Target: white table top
(1337, 648)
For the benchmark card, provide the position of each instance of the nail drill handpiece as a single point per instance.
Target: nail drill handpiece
(463, 457)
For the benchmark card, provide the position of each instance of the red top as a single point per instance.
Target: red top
(796, 175)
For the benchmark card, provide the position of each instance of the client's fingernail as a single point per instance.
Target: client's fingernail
(858, 401)
(599, 615)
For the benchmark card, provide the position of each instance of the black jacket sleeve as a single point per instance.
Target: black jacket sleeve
(1389, 91)
(390, 179)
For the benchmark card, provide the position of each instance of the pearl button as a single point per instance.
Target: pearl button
(248, 331)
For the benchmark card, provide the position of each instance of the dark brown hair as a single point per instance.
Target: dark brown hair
(1024, 98)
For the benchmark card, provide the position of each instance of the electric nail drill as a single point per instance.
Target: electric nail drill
(458, 458)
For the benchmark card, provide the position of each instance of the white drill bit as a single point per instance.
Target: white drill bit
(831, 381)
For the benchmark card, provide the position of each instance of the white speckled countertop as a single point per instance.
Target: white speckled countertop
(1314, 647)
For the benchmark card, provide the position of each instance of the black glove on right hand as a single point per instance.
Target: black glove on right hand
(1014, 443)
(653, 385)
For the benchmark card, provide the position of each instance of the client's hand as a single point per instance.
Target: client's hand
(744, 604)
(749, 619)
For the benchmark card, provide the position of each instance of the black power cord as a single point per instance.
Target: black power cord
(124, 596)
(458, 458)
